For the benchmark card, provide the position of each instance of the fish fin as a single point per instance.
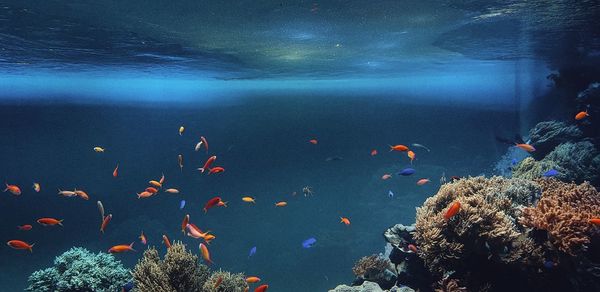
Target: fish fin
(60, 222)
(224, 204)
(131, 246)
(201, 169)
(31, 247)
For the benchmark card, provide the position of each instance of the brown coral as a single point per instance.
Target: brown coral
(564, 212)
(371, 267)
(229, 282)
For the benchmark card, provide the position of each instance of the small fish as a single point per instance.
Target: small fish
(100, 209)
(198, 146)
(13, 189)
(398, 147)
(155, 184)
(207, 164)
(67, 193)
(18, 244)
(313, 141)
(121, 248)
(216, 169)
(49, 222)
(249, 200)
(36, 187)
(412, 248)
(82, 194)
(345, 220)
(525, 147)
(411, 155)
(551, 173)
(308, 243)
(151, 190)
(219, 280)
(25, 227)
(514, 162)
(373, 152)
(172, 191)
(205, 143)
(252, 251)
(180, 162)
(181, 204)
(390, 194)
(143, 238)
(181, 129)
(205, 253)
(166, 241)
(453, 210)
(116, 171)
(252, 279)
(595, 221)
(281, 204)
(421, 146)
(407, 172)
(144, 195)
(211, 203)
(195, 232)
(184, 223)
(222, 204)
(105, 222)
(386, 176)
(98, 149)
(263, 288)
(581, 115)
(162, 179)
(422, 181)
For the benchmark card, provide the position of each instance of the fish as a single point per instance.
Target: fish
(420, 146)
(205, 143)
(373, 152)
(411, 155)
(308, 243)
(422, 181)
(121, 248)
(166, 241)
(595, 221)
(551, 173)
(19, 244)
(155, 184)
(162, 179)
(514, 162)
(98, 149)
(116, 171)
(581, 115)
(25, 227)
(67, 193)
(211, 203)
(525, 146)
(185, 222)
(219, 280)
(386, 176)
(198, 146)
(216, 169)
(105, 222)
(172, 191)
(222, 204)
(100, 209)
(180, 162)
(263, 288)
(313, 141)
(13, 189)
(145, 194)
(181, 129)
(249, 200)
(252, 251)
(452, 211)
(345, 220)
(194, 231)
(334, 158)
(36, 187)
(143, 238)
(181, 204)
(412, 248)
(398, 147)
(49, 222)
(407, 171)
(205, 253)
(82, 194)
(281, 204)
(252, 279)
(390, 194)
(207, 164)
(151, 190)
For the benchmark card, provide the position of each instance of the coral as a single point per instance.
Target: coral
(80, 270)
(507, 162)
(399, 235)
(545, 136)
(229, 282)
(531, 169)
(371, 267)
(564, 211)
(447, 284)
(179, 271)
(365, 287)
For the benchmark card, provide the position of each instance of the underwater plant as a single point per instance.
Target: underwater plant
(228, 282)
(81, 270)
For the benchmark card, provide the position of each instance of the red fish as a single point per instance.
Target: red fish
(313, 141)
(373, 152)
(166, 241)
(216, 169)
(18, 244)
(205, 253)
(105, 222)
(121, 248)
(25, 227)
(595, 221)
(211, 203)
(453, 210)
(205, 143)
(185, 222)
(207, 164)
(151, 190)
(398, 147)
(526, 147)
(261, 288)
(49, 222)
(144, 194)
(412, 248)
(13, 189)
(422, 181)
(116, 171)
(581, 115)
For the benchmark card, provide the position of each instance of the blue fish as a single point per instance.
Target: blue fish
(127, 287)
(407, 171)
(514, 162)
(390, 194)
(182, 204)
(252, 251)
(309, 242)
(551, 173)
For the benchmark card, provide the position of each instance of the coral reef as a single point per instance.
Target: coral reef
(229, 282)
(545, 136)
(364, 287)
(531, 169)
(448, 284)
(370, 267)
(179, 271)
(80, 270)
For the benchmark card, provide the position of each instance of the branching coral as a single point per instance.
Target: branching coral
(229, 282)
(545, 136)
(179, 271)
(564, 211)
(371, 267)
(531, 169)
(80, 270)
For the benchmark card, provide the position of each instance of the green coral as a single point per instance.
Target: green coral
(80, 270)
(229, 282)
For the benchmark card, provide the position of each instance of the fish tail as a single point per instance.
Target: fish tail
(131, 246)
(30, 248)
(391, 148)
(201, 169)
(60, 222)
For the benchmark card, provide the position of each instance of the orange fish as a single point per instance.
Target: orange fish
(526, 147)
(453, 210)
(162, 179)
(151, 190)
(166, 241)
(281, 204)
(155, 184)
(144, 195)
(49, 222)
(252, 280)
(216, 169)
(116, 171)
(25, 227)
(205, 253)
(82, 194)
(219, 280)
(207, 164)
(185, 222)
(18, 244)
(422, 181)
(412, 248)
(398, 147)
(345, 220)
(121, 248)
(172, 191)
(208, 238)
(581, 115)
(13, 189)
(595, 221)
(261, 288)
(373, 152)
(205, 143)
(143, 238)
(105, 222)
(411, 155)
(313, 141)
